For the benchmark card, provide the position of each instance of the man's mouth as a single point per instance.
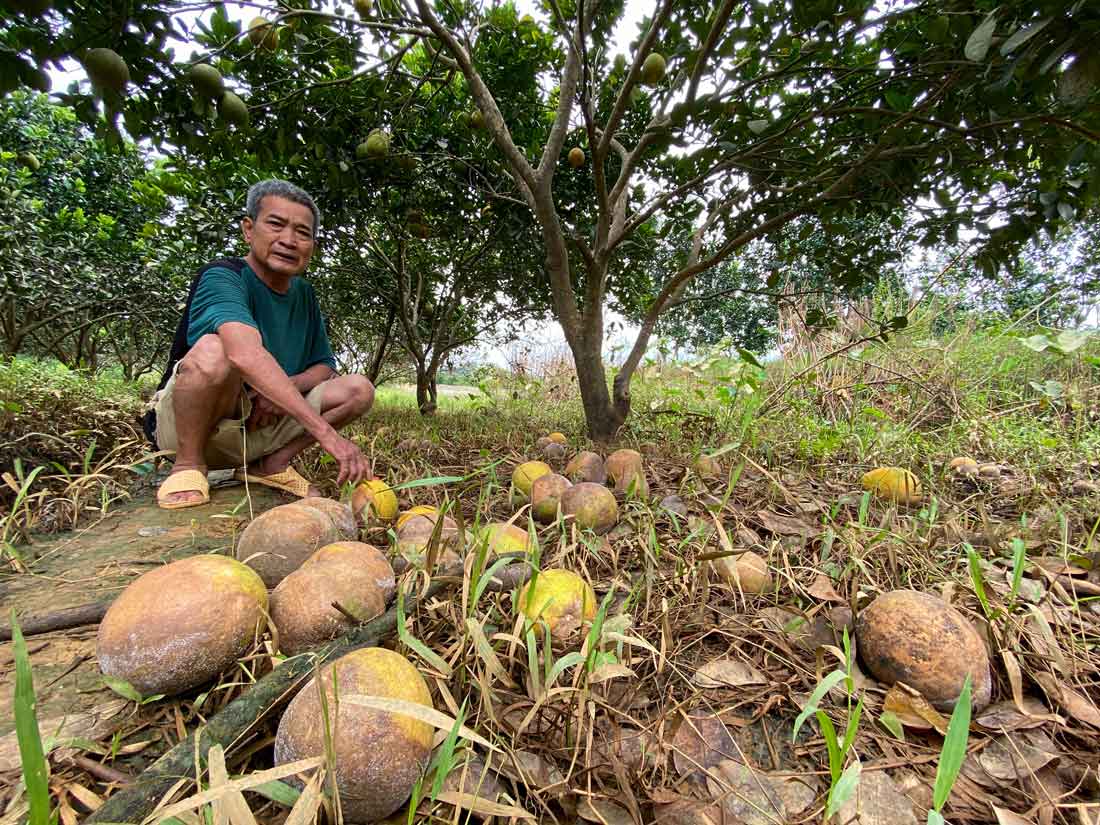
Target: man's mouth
(282, 256)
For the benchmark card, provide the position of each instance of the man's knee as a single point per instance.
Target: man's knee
(360, 392)
(207, 361)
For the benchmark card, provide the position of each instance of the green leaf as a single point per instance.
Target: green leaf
(844, 788)
(977, 45)
(812, 703)
(1022, 35)
(954, 748)
(758, 127)
(31, 755)
(935, 818)
(122, 688)
(889, 720)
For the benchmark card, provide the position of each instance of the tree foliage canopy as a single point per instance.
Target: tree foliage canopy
(935, 119)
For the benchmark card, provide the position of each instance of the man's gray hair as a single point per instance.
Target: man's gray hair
(281, 189)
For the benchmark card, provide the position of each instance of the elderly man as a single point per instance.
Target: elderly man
(251, 381)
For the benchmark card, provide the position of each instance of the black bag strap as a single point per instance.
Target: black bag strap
(180, 347)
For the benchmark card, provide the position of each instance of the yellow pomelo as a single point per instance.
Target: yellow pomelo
(418, 510)
(653, 69)
(373, 501)
(524, 476)
(561, 599)
(576, 157)
(893, 483)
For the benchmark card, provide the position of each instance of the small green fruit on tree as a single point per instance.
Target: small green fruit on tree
(263, 34)
(653, 70)
(376, 146)
(233, 110)
(207, 81)
(107, 70)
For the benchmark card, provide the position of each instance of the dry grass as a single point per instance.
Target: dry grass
(575, 747)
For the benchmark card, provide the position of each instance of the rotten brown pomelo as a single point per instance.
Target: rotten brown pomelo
(378, 756)
(916, 638)
(592, 506)
(586, 466)
(276, 543)
(181, 625)
(352, 574)
(626, 472)
(342, 517)
(546, 495)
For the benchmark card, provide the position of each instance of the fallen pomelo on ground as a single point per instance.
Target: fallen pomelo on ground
(707, 468)
(893, 483)
(502, 537)
(592, 506)
(546, 495)
(352, 574)
(276, 543)
(916, 638)
(586, 466)
(340, 513)
(524, 476)
(373, 502)
(963, 466)
(378, 756)
(418, 510)
(181, 625)
(626, 472)
(561, 599)
(746, 571)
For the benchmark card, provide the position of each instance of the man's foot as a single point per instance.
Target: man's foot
(186, 486)
(271, 466)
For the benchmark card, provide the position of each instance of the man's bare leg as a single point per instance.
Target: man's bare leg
(346, 398)
(207, 389)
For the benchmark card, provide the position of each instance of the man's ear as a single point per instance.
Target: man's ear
(246, 229)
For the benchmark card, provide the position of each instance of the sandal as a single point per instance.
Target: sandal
(185, 481)
(289, 481)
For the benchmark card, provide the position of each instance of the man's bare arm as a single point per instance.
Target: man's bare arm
(245, 350)
(311, 377)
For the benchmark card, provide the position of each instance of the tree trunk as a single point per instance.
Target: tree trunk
(602, 417)
(426, 390)
(379, 354)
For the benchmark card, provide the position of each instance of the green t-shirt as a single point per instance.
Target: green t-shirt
(291, 325)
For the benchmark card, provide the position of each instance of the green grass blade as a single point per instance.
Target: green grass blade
(824, 687)
(1019, 559)
(954, 749)
(844, 788)
(35, 770)
(977, 578)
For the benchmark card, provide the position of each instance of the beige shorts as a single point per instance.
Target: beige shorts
(230, 445)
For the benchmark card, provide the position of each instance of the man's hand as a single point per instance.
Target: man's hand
(264, 413)
(354, 466)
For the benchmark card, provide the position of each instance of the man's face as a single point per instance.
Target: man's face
(281, 237)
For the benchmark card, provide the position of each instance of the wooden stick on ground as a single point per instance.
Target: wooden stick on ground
(58, 620)
(230, 725)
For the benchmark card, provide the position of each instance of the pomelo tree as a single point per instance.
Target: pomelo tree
(963, 117)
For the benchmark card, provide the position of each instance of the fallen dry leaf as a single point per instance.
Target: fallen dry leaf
(1007, 817)
(685, 811)
(1077, 705)
(1012, 758)
(912, 709)
(701, 742)
(721, 673)
(604, 811)
(877, 801)
(822, 589)
(782, 525)
(746, 795)
(1006, 716)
